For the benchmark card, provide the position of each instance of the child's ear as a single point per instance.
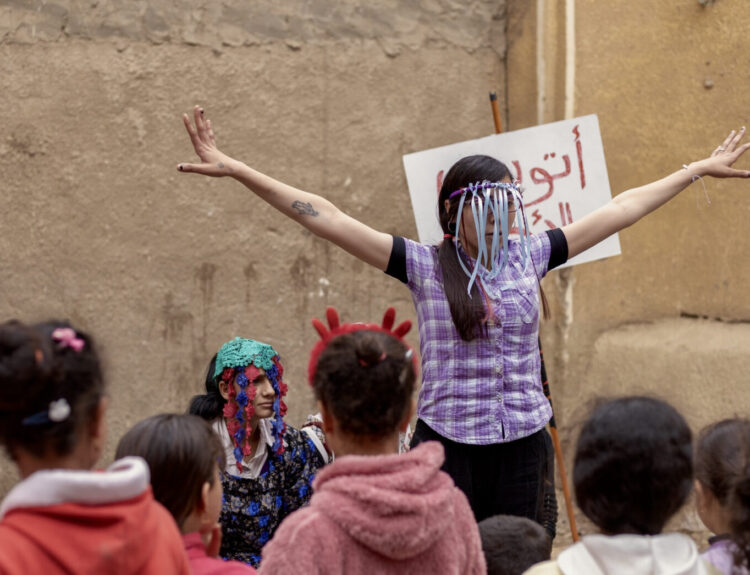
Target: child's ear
(409, 414)
(203, 501)
(223, 389)
(325, 415)
(98, 430)
(703, 496)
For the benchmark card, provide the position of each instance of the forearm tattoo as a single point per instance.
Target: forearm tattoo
(304, 208)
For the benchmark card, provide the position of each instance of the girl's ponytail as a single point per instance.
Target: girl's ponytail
(467, 312)
(209, 405)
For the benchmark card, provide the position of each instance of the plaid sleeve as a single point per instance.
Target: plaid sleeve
(541, 249)
(420, 263)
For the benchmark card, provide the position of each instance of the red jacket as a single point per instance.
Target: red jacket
(202, 564)
(60, 521)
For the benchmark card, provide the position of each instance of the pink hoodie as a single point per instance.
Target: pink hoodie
(387, 513)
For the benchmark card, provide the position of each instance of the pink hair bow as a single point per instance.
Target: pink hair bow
(67, 337)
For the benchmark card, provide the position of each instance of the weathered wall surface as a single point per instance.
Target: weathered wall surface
(668, 82)
(99, 227)
(163, 267)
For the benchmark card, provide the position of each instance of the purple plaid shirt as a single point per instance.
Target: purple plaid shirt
(487, 390)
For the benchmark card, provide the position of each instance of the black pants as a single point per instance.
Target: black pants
(514, 478)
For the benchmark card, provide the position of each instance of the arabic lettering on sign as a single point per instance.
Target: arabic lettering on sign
(543, 178)
(560, 167)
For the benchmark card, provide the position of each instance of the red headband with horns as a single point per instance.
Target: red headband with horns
(336, 328)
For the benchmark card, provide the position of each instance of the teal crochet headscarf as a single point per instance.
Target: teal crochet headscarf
(240, 361)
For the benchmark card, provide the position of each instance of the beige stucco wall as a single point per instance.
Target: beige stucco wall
(668, 81)
(163, 267)
(99, 227)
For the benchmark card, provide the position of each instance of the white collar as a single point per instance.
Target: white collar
(666, 554)
(253, 467)
(123, 480)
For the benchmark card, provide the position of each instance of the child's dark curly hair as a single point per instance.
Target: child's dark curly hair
(37, 370)
(366, 379)
(633, 465)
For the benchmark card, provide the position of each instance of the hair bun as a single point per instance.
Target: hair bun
(369, 351)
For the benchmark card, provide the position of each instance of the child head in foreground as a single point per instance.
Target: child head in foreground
(633, 465)
(62, 515)
(52, 396)
(722, 489)
(633, 470)
(185, 457)
(513, 544)
(364, 385)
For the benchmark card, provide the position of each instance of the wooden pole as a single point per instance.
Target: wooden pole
(545, 383)
(558, 452)
(496, 113)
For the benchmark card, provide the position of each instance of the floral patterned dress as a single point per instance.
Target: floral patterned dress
(254, 508)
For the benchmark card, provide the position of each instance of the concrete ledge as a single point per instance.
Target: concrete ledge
(702, 367)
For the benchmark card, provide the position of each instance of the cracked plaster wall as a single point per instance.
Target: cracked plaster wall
(668, 317)
(163, 267)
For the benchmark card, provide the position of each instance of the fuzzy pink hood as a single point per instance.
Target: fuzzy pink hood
(387, 513)
(397, 505)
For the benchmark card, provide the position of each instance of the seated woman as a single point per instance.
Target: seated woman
(269, 465)
(63, 517)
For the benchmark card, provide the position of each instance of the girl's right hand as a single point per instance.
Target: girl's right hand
(719, 163)
(213, 162)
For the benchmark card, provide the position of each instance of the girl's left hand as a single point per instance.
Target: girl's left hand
(719, 163)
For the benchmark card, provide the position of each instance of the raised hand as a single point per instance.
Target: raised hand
(213, 162)
(719, 163)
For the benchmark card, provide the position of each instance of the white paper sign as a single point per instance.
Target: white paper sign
(560, 166)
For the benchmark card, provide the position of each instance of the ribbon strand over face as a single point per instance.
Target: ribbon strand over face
(483, 198)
